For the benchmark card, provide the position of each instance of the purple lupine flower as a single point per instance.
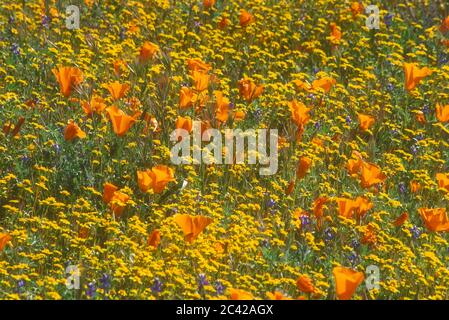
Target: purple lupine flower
(402, 188)
(15, 49)
(355, 243)
(414, 149)
(426, 109)
(202, 281)
(271, 203)
(328, 234)
(20, 285)
(91, 290)
(219, 287)
(231, 105)
(46, 21)
(390, 87)
(388, 19)
(348, 120)
(157, 286)
(105, 281)
(305, 220)
(354, 259)
(416, 232)
(317, 125)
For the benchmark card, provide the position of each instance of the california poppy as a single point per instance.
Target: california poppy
(114, 198)
(186, 97)
(121, 122)
(155, 178)
(154, 239)
(277, 296)
(192, 226)
(237, 294)
(365, 121)
(414, 74)
(221, 107)
(443, 181)
(442, 112)
(245, 18)
(201, 80)
(198, 65)
(369, 236)
(325, 84)
(68, 77)
(371, 175)
(444, 27)
(305, 284)
(300, 113)
(148, 51)
(249, 90)
(399, 221)
(117, 90)
(72, 131)
(119, 67)
(208, 3)
(356, 8)
(346, 282)
(184, 123)
(96, 105)
(224, 22)
(435, 219)
(335, 33)
(4, 239)
(415, 186)
(304, 164)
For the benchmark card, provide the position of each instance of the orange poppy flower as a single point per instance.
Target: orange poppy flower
(420, 117)
(96, 105)
(224, 22)
(184, 123)
(335, 33)
(302, 85)
(68, 77)
(148, 51)
(300, 113)
(156, 178)
(192, 226)
(277, 296)
(119, 67)
(365, 121)
(318, 207)
(414, 74)
(72, 131)
(249, 90)
(415, 186)
(4, 239)
(201, 80)
(371, 175)
(305, 284)
(117, 90)
(369, 236)
(198, 65)
(186, 98)
(354, 166)
(442, 112)
(208, 3)
(239, 115)
(399, 221)
(304, 164)
(346, 282)
(121, 122)
(356, 8)
(154, 239)
(114, 198)
(221, 107)
(245, 18)
(325, 84)
(443, 181)
(435, 219)
(290, 187)
(444, 27)
(237, 294)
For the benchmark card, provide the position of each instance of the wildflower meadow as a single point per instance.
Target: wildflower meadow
(224, 149)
